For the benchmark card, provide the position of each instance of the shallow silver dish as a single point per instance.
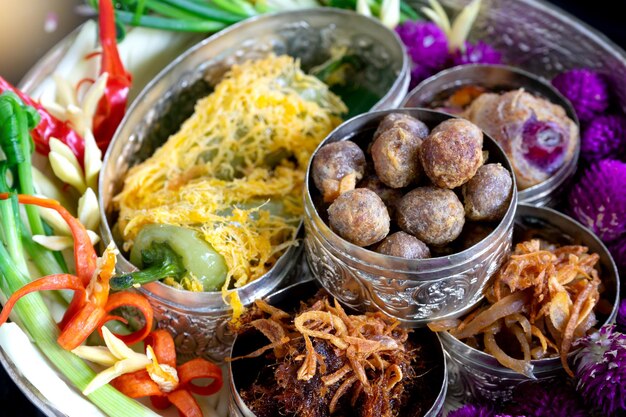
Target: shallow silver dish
(504, 78)
(243, 371)
(198, 320)
(477, 375)
(415, 291)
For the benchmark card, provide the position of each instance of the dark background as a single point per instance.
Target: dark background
(601, 14)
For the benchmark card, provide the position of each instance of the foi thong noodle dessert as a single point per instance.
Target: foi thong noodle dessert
(222, 197)
(322, 361)
(408, 203)
(541, 301)
(536, 134)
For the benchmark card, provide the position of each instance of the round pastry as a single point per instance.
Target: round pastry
(433, 215)
(402, 121)
(337, 167)
(403, 245)
(452, 153)
(390, 196)
(536, 134)
(488, 193)
(359, 216)
(395, 153)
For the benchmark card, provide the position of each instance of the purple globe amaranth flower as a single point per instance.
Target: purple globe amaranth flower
(474, 410)
(427, 46)
(586, 90)
(478, 53)
(618, 250)
(604, 137)
(598, 200)
(557, 400)
(601, 370)
(621, 315)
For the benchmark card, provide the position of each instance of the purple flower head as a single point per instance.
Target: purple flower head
(618, 250)
(586, 90)
(427, 46)
(601, 370)
(621, 315)
(478, 53)
(555, 400)
(598, 200)
(604, 137)
(473, 410)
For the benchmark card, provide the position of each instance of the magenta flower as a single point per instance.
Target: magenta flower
(586, 90)
(473, 410)
(598, 200)
(601, 370)
(621, 316)
(604, 137)
(478, 53)
(427, 46)
(536, 400)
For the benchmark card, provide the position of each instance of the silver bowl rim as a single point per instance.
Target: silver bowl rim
(561, 175)
(380, 260)
(482, 358)
(439, 399)
(401, 82)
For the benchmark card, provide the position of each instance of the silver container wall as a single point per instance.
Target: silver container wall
(414, 291)
(504, 78)
(199, 321)
(478, 375)
(288, 298)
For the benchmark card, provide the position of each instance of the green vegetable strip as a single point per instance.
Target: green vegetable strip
(170, 11)
(238, 7)
(156, 22)
(206, 11)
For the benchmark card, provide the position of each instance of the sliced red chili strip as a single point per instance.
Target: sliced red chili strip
(81, 326)
(163, 345)
(200, 369)
(121, 299)
(136, 385)
(185, 403)
(160, 403)
(50, 282)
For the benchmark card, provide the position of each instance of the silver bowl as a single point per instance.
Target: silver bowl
(504, 78)
(477, 375)
(415, 291)
(198, 321)
(243, 372)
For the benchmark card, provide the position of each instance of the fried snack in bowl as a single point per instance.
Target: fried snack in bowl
(557, 285)
(300, 353)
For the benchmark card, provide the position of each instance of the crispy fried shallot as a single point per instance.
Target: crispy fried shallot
(328, 362)
(541, 300)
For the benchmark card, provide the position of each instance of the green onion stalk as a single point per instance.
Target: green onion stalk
(208, 16)
(16, 121)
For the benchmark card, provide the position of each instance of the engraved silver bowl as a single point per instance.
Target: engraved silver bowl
(504, 78)
(477, 375)
(243, 372)
(414, 291)
(199, 321)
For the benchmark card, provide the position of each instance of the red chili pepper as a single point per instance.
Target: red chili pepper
(139, 384)
(49, 127)
(112, 105)
(91, 304)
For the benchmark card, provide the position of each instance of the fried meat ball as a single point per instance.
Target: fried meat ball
(390, 196)
(452, 153)
(488, 193)
(433, 215)
(403, 121)
(403, 245)
(359, 216)
(395, 153)
(337, 167)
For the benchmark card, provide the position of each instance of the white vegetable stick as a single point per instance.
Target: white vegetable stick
(93, 160)
(65, 94)
(443, 16)
(93, 96)
(362, 7)
(55, 109)
(462, 26)
(76, 117)
(390, 13)
(62, 242)
(41, 375)
(88, 210)
(55, 221)
(67, 170)
(61, 148)
(46, 187)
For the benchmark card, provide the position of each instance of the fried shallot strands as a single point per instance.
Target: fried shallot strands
(542, 298)
(373, 362)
